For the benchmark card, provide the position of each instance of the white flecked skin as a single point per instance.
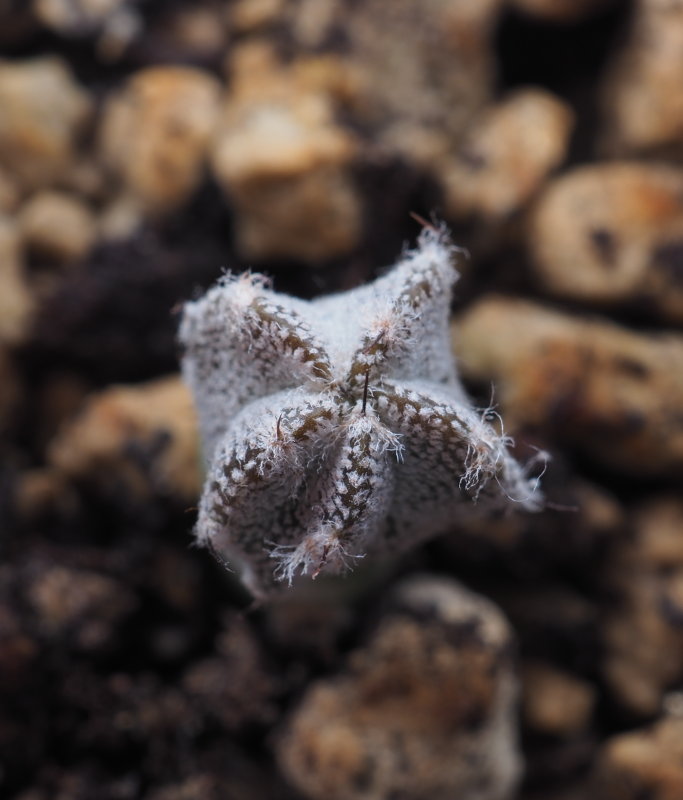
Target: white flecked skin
(337, 428)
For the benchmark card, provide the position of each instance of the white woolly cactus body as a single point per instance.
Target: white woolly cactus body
(338, 428)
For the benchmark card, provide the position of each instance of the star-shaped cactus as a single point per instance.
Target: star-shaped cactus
(337, 428)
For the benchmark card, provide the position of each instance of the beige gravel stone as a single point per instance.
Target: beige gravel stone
(425, 709)
(643, 97)
(155, 133)
(283, 161)
(642, 634)
(612, 233)
(507, 155)
(43, 113)
(155, 420)
(593, 385)
(16, 301)
(58, 226)
(555, 702)
(647, 763)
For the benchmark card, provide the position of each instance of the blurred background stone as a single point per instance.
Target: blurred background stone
(643, 631)
(57, 226)
(555, 702)
(43, 114)
(435, 676)
(612, 234)
(283, 160)
(645, 763)
(155, 134)
(143, 436)
(643, 108)
(507, 155)
(602, 388)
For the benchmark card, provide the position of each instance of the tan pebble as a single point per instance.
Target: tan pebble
(155, 133)
(555, 702)
(43, 113)
(284, 162)
(58, 226)
(612, 393)
(643, 94)
(156, 418)
(425, 709)
(507, 154)
(643, 640)
(613, 233)
(644, 763)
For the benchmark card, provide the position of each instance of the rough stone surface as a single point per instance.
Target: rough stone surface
(507, 154)
(642, 101)
(612, 233)
(283, 160)
(594, 385)
(645, 763)
(155, 133)
(145, 436)
(43, 113)
(57, 226)
(425, 709)
(642, 633)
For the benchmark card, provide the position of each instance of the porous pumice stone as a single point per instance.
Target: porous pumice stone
(507, 155)
(155, 132)
(612, 234)
(426, 709)
(283, 160)
(642, 106)
(338, 428)
(598, 387)
(642, 639)
(44, 111)
(644, 763)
